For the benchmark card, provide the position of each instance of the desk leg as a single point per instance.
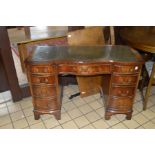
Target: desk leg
(36, 115)
(107, 117)
(57, 115)
(148, 88)
(129, 116)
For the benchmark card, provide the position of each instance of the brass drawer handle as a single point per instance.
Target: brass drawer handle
(129, 80)
(49, 105)
(36, 70)
(38, 80)
(135, 68)
(74, 68)
(123, 94)
(84, 69)
(45, 70)
(46, 80)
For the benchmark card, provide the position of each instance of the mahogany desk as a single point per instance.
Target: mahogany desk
(119, 66)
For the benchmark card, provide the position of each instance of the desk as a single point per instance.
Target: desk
(119, 65)
(142, 38)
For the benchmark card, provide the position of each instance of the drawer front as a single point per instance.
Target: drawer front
(42, 69)
(121, 104)
(124, 80)
(44, 91)
(126, 69)
(122, 91)
(93, 69)
(42, 79)
(46, 104)
(63, 68)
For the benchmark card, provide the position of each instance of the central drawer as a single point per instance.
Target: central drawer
(122, 91)
(93, 69)
(46, 104)
(44, 91)
(64, 68)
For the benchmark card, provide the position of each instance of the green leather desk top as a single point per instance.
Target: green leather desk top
(83, 54)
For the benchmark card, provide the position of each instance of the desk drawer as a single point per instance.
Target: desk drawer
(122, 91)
(124, 79)
(44, 91)
(126, 69)
(42, 79)
(63, 68)
(46, 104)
(93, 69)
(121, 103)
(42, 69)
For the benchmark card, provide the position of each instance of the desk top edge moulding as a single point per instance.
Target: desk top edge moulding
(119, 65)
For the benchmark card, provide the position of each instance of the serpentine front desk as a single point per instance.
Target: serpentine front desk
(119, 66)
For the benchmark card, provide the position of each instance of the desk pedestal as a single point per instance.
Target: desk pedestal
(119, 83)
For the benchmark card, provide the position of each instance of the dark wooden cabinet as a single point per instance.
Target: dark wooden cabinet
(119, 67)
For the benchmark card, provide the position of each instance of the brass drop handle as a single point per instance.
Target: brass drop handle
(84, 68)
(129, 80)
(49, 105)
(38, 92)
(46, 80)
(131, 69)
(124, 94)
(38, 80)
(36, 69)
(45, 70)
(119, 92)
(127, 92)
(74, 68)
(44, 92)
